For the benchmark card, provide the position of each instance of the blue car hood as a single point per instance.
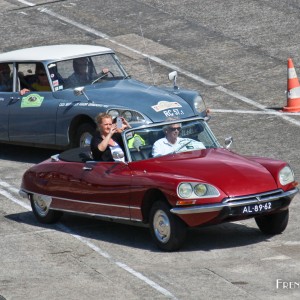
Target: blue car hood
(153, 102)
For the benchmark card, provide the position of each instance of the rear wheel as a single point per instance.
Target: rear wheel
(83, 135)
(274, 223)
(40, 205)
(167, 230)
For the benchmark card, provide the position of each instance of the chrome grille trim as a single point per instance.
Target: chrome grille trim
(262, 197)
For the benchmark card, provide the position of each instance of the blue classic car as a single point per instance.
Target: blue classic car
(50, 95)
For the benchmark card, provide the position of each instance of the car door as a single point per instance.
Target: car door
(4, 101)
(6, 91)
(96, 188)
(108, 185)
(32, 116)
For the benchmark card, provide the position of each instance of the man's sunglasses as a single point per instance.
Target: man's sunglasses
(175, 128)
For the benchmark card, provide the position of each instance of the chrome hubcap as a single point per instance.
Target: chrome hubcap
(85, 140)
(161, 225)
(41, 204)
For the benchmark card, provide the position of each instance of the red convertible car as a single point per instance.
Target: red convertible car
(196, 182)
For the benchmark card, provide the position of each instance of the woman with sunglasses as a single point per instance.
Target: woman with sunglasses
(41, 83)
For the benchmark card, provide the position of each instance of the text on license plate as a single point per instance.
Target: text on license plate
(256, 208)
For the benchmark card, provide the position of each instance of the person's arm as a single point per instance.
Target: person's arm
(24, 91)
(106, 141)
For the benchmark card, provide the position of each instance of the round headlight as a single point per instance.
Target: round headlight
(114, 113)
(199, 104)
(185, 190)
(127, 115)
(200, 190)
(286, 175)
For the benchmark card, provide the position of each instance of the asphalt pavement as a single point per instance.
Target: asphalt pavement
(235, 53)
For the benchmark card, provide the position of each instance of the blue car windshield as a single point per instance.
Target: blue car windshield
(85, 70)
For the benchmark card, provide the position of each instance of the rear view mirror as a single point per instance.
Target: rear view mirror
(228, 142)
(80, 91)
(173, 77)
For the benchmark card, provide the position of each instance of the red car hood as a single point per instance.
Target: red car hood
(233, 174)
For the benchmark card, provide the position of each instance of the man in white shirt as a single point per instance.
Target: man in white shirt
(173, 143)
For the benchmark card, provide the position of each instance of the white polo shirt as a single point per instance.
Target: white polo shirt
(164, 147)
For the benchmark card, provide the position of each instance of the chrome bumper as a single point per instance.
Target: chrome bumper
(23, 193)
(234, 202)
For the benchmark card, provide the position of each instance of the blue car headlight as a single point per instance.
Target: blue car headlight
(131, 116)
(199, 104)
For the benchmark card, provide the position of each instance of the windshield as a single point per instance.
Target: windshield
(172, 138)
(85, 71)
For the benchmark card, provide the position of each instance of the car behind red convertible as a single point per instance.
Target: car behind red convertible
(196, 183)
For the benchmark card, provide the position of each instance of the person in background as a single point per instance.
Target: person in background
(80, 75)
(6, 80)
(107, 143)
(41, 83)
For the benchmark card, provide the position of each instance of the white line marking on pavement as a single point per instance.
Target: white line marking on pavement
(91, 245)
(26, 3)
(12, 198)
(278, 257)
(147, 280)
(254, 112)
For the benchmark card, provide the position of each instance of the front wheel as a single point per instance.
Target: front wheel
(167, 230)
(40, 205)
(274, 223)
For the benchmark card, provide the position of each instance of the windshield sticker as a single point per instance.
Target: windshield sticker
(55, 83)
(32, 100)
(129, 135)
(162, 105)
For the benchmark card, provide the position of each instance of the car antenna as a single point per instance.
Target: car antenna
(145, 47)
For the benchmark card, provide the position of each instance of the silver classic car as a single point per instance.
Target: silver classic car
(50, 95)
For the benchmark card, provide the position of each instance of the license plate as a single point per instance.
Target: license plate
(256, 208)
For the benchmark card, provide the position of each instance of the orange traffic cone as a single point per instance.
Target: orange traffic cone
(293, 90)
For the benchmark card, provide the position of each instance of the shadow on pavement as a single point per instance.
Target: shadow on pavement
(223, 236)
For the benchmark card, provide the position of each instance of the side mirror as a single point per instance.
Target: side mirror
(81, 91)
(228, 142)
(173, 77)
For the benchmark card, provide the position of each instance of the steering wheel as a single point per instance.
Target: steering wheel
(104, 73)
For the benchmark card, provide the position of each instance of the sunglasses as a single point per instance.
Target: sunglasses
(175, 128)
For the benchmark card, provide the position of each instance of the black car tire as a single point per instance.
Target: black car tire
(42, 212)
(167, 230)
(274, 223)
(83, 135)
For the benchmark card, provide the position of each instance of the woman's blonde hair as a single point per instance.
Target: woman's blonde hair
(102, 116)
